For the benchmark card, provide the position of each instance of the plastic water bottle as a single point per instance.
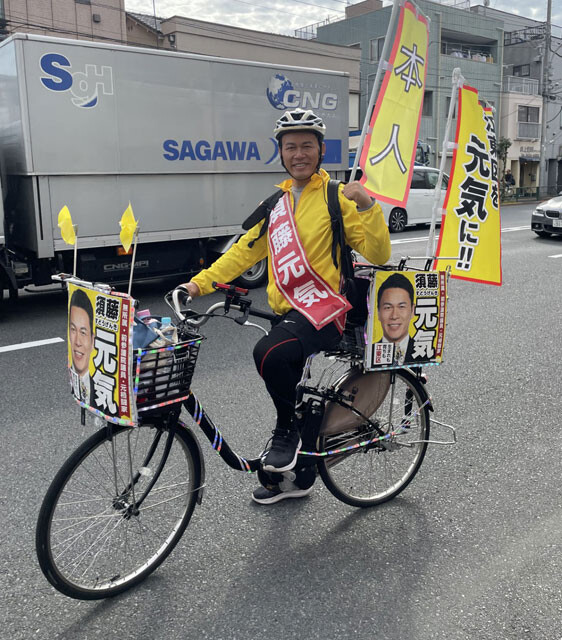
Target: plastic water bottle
(168, 330)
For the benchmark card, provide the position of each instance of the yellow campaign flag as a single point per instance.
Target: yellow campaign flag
(128, 227)
(387, 157)
(66, 227)
(470, 230)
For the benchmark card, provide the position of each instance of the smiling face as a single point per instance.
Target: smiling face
(395, 311)
(301, 152)
(81, 339)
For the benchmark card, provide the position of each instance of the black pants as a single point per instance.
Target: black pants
(280, 358)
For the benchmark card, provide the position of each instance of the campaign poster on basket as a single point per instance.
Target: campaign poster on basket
(407, 314)
(99, 352)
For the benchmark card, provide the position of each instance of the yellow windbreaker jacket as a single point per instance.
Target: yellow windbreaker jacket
(365, 232)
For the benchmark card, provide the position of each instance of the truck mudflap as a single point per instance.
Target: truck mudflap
(7, 276)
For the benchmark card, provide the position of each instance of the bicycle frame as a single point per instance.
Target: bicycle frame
(193, 406)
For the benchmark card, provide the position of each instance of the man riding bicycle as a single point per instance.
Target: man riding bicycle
(303, 281)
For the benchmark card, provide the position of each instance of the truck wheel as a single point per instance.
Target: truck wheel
(255, 276)
(397, 220)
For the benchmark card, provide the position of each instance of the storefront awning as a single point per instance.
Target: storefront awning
(528, 159)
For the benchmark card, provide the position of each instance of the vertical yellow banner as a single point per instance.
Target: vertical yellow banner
(387, 157)
(470, 238)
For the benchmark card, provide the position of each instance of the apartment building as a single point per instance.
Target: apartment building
(529, 89)
(457, 38)
(77, 19)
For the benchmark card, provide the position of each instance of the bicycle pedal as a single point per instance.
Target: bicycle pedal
(289, 475)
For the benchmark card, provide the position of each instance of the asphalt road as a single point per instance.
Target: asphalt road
(472, 549)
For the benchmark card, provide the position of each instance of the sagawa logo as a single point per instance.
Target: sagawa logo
(85, 86)
(283, 94)
(216, 150)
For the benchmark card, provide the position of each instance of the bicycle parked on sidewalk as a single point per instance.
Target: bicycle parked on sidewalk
(122, 501)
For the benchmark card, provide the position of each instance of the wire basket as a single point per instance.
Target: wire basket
(163, 375)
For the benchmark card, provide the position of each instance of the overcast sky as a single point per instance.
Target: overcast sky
(284, 16)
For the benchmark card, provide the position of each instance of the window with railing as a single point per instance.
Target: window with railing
(528, 126)
(520, 70)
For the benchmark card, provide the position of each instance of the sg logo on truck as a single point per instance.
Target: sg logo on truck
(85, 86)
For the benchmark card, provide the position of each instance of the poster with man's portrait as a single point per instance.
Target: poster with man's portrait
(407, 314)
(99, 352)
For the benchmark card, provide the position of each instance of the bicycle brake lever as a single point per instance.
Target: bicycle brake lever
(242, 319)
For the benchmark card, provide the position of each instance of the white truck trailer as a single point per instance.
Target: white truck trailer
(186, 139)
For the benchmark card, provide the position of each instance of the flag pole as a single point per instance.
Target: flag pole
(133, 259)
(382, 66)
(458, 82)
(75, 227)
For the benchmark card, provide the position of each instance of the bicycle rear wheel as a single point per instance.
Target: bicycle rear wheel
(375, 473)
(116, 509)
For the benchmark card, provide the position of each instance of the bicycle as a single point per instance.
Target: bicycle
(122, 501)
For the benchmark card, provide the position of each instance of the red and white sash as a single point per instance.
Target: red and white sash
(300, 285)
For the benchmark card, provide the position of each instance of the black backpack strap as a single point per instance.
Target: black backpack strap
(338, 234)
(262, 212)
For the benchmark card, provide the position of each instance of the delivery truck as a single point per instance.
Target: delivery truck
(185, 139)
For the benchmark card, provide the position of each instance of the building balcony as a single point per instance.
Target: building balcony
(515, 84)
(467, 50)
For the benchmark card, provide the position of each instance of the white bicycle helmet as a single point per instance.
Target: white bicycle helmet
(299, 120)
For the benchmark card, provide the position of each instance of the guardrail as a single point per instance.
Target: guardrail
(524, 194)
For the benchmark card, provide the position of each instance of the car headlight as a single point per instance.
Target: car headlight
(538, 212)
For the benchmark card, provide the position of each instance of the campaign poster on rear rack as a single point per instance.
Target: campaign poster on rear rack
(99, 352)
(407, 313)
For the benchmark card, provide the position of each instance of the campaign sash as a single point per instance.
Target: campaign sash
(297, 281)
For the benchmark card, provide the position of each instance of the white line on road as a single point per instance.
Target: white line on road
(424, 239)
(27, 345)
(523, 228)
(558, 255)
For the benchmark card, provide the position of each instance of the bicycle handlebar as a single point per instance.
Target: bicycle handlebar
(235, 299)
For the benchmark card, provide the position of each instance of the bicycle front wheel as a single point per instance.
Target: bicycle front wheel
(368, 475)
(116, 509)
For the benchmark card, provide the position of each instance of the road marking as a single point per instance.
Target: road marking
(424, 239)
(524, 228)
(558, 255)
(406, 241)
(28, 345)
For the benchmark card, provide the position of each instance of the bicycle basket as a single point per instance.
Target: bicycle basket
(163, 375)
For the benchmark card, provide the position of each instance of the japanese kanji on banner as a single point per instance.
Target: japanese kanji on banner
(387, 156)
(407, 314)
(99, 352)
(470, 238)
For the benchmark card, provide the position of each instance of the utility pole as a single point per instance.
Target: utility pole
(543, 164)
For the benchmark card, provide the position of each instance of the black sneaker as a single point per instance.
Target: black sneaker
(275, 493)
(283, 450)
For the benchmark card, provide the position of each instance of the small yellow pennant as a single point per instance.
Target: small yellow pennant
(128, 227)
(66, 227)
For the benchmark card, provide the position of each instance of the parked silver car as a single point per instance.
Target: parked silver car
(547, 217)
(418, 208)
